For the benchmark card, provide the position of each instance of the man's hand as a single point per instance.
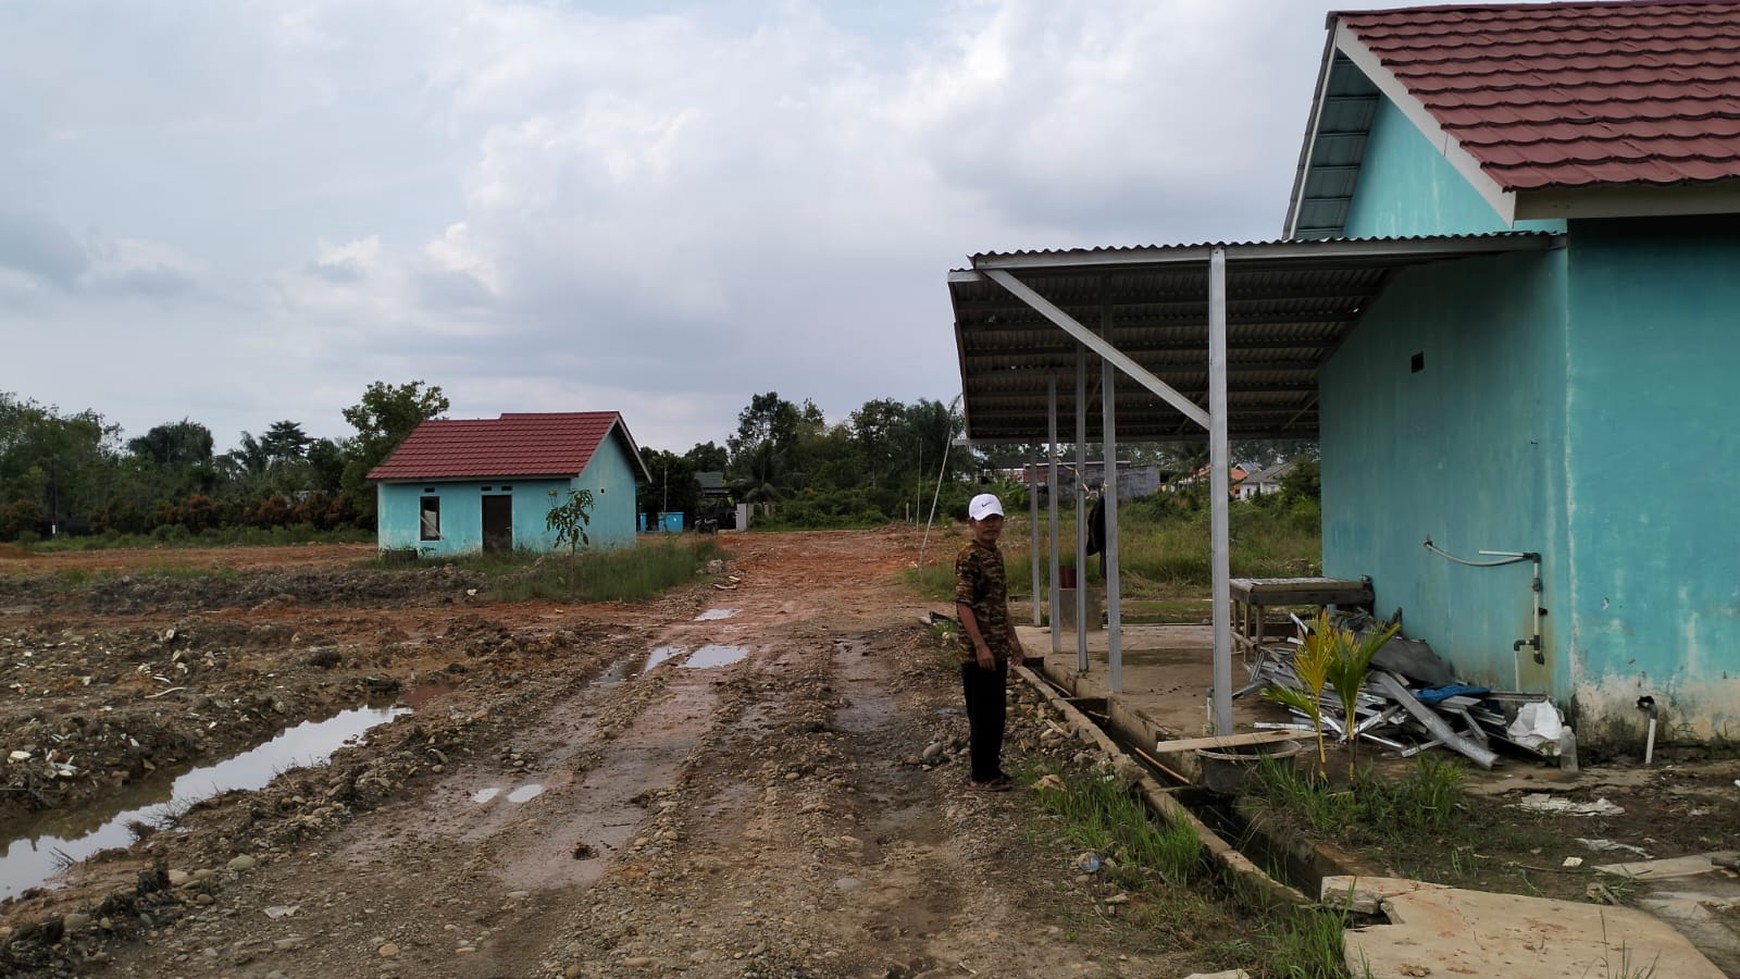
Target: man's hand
(986, 660)
(1017, 655)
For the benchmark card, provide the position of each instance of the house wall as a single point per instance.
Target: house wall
(1469, 452)
(1654, 337)
(462, 514)
(610, 477)
(1406, 187)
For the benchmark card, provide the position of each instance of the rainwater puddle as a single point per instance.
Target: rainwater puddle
(418, 698)
(714, 614)
(521, 794)
(33, 857)
(713, 654)
(659, 655)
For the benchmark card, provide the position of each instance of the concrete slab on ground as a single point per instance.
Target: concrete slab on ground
(1445, 930)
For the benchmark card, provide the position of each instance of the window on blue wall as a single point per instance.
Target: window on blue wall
(429, 518)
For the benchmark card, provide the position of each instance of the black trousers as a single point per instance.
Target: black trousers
(986, 692)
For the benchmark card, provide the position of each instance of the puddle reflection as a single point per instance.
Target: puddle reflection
(660, 654)
(714, 654)
(526, 792)
(714, 614)
(38, 853)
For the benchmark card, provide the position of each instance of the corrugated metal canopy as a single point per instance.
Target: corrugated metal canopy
(1289, 304)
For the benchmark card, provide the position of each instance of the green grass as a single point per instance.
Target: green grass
(632, 574)
(1182, 901)
(1162, 554)
(225, 537)
(1370, 807)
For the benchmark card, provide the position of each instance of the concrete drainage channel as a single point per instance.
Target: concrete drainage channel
(1121, 733)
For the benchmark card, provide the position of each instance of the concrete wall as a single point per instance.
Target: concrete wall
(1406, 187)
(462, 514)
(1469, 451)
(610, 477)
(1654, 339)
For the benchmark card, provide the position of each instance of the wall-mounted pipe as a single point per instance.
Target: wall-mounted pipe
(1505, 558)
(1647, 704)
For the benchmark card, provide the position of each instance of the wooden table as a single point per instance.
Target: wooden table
(1251, 596)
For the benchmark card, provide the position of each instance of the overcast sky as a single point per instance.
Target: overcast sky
(239, 212)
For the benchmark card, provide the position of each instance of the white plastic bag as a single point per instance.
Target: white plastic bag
(1537, 726)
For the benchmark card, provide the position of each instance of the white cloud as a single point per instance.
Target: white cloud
(569, 205)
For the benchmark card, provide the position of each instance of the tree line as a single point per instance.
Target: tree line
(64, 472)
(886, 460)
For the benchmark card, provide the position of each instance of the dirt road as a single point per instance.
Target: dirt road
(752, 805)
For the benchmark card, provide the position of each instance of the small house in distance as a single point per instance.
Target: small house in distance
(461, 486)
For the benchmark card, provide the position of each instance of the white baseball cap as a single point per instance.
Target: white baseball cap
(984, 505)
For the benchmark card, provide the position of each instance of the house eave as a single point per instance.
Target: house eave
(1629, 201)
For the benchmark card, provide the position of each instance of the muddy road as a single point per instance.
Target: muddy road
(778, 793)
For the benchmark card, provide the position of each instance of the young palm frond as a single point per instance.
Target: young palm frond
(1312, 663)
(1347, 670)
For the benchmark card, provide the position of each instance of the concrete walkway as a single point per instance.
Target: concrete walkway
(1434, 930)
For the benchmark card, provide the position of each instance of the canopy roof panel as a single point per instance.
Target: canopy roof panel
(1288, 306)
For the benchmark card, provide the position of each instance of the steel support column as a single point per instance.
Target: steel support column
(1219, 462)
(1051, 496)
(1081, 579)
(1033, 530)
(1109, 446)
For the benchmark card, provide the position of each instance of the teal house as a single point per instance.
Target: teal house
(1516, 448)
(464, 486)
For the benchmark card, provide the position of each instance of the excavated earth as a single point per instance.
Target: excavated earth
(781, 795)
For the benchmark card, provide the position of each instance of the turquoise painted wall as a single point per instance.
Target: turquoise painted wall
(1469, 452)
(1406, 188)
(610, 477)
(1654, 340)
(462, 514)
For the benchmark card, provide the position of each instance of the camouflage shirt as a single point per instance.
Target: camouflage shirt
(979, 583)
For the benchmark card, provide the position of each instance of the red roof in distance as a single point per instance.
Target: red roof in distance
(1574, 94)
(515, 445)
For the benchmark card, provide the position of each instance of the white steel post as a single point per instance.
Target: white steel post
(1051, 496)
(1081, 580)
(1109, 444)
(1218, 461)
(1033, 528)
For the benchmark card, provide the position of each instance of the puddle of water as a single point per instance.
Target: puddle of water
(713, 614)
(659, 655)
(526, 792)
(419, 697)
(714, 654)
(484, 795)
(34, 856)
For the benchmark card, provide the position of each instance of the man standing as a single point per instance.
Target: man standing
(988, 642)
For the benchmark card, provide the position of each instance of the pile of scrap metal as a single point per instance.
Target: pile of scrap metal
(1410, 703)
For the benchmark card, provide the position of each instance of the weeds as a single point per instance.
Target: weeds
(1421, 801)
(632, 574)
(1102, 815)
(1308, 945)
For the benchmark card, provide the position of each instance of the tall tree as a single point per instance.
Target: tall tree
(384, 416)
(285, 441)
(182, 443)
(706, 457)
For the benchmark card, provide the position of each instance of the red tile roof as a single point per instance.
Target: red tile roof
(514, 445)
(1574, 94)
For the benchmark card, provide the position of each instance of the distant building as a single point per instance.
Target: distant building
(462, 486)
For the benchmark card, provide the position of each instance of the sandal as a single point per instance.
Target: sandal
(995, 785)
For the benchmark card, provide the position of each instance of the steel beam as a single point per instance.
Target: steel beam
(1106, 350)
(1081, 589)
(1109, 447)
(1219, 462)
